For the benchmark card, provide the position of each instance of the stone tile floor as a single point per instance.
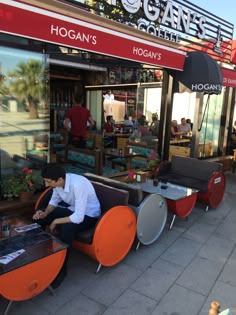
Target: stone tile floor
(180, 274)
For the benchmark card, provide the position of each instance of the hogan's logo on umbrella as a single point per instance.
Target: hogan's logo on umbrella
(204, 87)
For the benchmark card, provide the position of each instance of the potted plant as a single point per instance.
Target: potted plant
(23, 184)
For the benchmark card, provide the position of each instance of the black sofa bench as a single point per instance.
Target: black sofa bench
(205, 176)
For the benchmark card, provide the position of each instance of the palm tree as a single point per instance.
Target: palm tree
(3, 88)
(27, 84)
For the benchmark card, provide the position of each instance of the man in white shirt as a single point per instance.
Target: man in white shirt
(82, 212)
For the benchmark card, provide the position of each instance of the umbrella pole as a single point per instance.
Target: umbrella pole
(203, 116)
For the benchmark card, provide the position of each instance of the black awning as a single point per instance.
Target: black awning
(201, 74)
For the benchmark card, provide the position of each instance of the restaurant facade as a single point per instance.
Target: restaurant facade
(134, 50)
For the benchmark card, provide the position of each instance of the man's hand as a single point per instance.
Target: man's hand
(39, 214)
(52, 226)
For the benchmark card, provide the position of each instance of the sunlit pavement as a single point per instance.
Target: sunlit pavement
(180, 274)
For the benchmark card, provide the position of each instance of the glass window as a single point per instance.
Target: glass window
(209, 134)
(24, 112)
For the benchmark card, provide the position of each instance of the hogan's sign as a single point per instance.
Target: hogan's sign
(72, 32)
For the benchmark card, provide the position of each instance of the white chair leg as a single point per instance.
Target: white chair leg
(8, 307)
(137, 246)
(172, 222)
(98, 268)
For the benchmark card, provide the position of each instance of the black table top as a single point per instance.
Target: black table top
(36, 243)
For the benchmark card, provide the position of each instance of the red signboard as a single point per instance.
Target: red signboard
(33, 22)
(229, 77)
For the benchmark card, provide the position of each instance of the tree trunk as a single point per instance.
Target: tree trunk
(33, 112)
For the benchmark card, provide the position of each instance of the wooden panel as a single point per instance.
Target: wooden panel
(205, 149)
(178, 150)
(121, 143)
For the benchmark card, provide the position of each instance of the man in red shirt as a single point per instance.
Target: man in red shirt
(78, 117)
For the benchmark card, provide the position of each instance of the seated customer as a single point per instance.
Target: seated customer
(83, 208)
(154, 127)
(174, 131)
(184, 127)
(108, 130)
(127, 122)
(142, 127)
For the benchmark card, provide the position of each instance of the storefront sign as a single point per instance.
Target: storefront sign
(60, 29)
(229, 77)
(175, 22)
(211, 88)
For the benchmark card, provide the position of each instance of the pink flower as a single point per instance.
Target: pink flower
(25, 169)
(131, 174)
(29, 171)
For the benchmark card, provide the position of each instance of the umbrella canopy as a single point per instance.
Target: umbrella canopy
(201, 74)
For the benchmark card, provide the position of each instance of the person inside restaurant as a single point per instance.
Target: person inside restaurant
(108, 132)
(127, 121)
(77, 118)
(174, 131)
(154, 127)
(142, 127)
(184, 127)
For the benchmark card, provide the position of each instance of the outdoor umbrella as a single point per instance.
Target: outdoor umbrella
(201, 74)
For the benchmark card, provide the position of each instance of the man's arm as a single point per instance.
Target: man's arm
(91, 122)
(67, 121)
(40, 214)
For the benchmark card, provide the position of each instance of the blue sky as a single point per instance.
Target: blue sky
(224, 9)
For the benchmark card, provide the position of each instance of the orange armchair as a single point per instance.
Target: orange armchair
(112, 237)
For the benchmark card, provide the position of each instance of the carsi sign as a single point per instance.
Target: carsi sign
(168, 15)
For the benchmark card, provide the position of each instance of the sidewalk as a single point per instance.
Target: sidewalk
(180, 274)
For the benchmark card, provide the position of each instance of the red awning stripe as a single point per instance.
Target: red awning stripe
(40, 24)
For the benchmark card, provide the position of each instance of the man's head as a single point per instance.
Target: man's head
(183, 121)
(78, 98)
(54, 175)
(109, 118)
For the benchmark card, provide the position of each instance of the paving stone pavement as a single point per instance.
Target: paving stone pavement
(180, 274)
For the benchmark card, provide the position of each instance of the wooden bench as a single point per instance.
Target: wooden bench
(83, 160)
(137, 162)
(178, 150)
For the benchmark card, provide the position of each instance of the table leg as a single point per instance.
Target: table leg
(137, 246)
(172, 221)
(52, 291)
(8, 307)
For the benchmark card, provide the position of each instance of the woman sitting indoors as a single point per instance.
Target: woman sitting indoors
(142, 127)
(174, 131)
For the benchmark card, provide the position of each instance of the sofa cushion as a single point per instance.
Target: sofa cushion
(194, 168)
(181, 180)
(109, 196)
(86, 236)
(135, 193)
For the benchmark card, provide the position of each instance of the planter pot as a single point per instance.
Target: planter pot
(26, 195)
